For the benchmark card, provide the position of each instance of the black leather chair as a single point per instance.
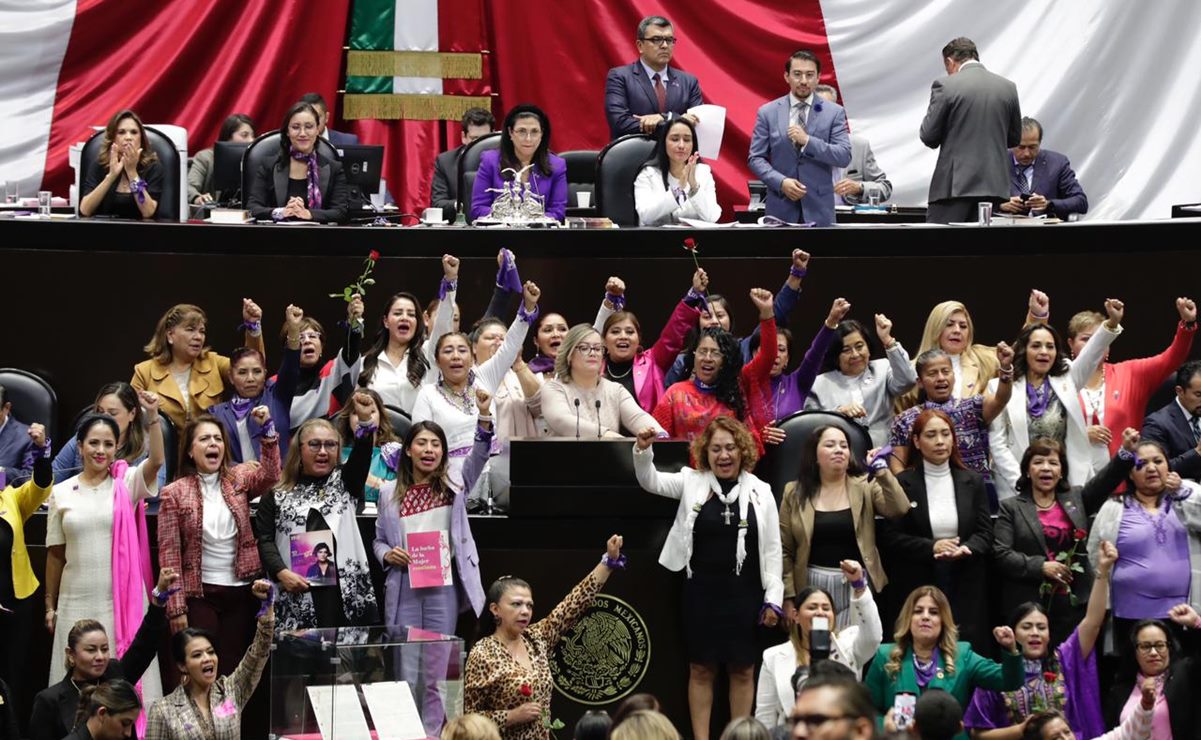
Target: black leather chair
(617, 166)
(781, 462)
(168, 158)
(469, 164)
(265, 149)
(400, 421)
(33, 400)
(581, 173)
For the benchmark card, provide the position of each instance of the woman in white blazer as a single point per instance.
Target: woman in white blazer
(852, 647)
(726, 536)
(1046, 402)
(675, 184)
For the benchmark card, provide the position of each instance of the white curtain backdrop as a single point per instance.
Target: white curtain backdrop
(1115, 85)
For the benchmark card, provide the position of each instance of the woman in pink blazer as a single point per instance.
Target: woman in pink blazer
(643, 372)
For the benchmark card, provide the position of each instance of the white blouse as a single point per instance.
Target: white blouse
(392, 383)
(658, 205)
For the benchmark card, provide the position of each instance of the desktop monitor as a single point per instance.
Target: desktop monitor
(227, 171)
(362, 164)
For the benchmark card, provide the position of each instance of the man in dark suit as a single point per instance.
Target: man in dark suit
(797, 141)
(972, 119)
(1177, 426)
(444, 193)
(641, 97)
(15, 445)
(1042, 181)
(337, 138)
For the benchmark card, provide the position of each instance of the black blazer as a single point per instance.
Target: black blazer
(908, 548)
(1169, 428)
(269, 191)
(1180, 689)
(8, 715)
(54, 708)
(444, 192)
(1021, 549)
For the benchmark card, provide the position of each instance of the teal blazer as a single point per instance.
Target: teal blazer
(972, 671)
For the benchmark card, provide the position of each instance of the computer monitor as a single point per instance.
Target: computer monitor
(362, 164)
(227, 171)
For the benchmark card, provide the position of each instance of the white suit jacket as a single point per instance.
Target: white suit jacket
(691, 487)
(1009, 433)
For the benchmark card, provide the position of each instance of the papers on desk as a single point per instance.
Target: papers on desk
(339, 713)
(710, 129)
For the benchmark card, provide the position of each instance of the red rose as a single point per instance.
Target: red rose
(373, 256)
(526, 690)
(690, 244)
(1080, 534)
(1050, 676)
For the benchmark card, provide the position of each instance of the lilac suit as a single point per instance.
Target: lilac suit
(553, 188)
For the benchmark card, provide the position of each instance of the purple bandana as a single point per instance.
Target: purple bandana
(506, 276)
(314, 188)
(541, 364)
(926, 674)
(241, 407)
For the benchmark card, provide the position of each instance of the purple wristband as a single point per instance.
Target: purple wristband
(254, 327)
(269, 429)
(798, 272)
(859, 583)
(266, 602)
(528, 317)
(770, 608)
(138, 188)
(362, 430)
(618, 564)
(694, 297)
(447, 286)
(618, 301)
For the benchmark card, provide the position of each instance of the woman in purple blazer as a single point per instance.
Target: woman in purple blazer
(524, 141)
(422, 499)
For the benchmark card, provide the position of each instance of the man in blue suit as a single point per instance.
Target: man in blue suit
(1042, 180)
(797, 141)
(1177, 426)
(337, 138)
(641, 97)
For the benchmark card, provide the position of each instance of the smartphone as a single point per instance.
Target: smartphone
(902, 710)
(1025, 197)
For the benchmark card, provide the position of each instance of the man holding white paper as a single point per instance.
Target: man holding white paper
(797, 141)
(641, 97)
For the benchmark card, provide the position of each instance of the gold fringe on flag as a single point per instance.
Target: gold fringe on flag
(442, 65)
(411, 107)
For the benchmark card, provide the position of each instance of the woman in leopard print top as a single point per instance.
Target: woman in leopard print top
(508, 672)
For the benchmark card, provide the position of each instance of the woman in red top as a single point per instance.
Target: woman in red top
(1117, 394)
(721, 384)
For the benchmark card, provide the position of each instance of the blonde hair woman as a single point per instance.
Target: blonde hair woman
(645, 725)
(470, 727)
(927, 654)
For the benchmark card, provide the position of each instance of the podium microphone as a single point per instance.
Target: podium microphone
(598, 432)
(577, 418)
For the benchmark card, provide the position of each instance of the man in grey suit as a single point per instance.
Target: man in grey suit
(641, 97)
(863, 176)
(797, 141)
(444, 192)
(973, 118)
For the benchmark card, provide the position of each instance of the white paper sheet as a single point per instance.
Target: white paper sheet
(393, 711)
(338, 711)
(710, 129)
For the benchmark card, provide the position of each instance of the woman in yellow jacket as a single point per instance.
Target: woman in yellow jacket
(188, 376)
(17, 581)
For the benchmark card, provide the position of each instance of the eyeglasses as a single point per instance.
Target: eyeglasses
(814, 721)
(306, 335)
(317, 445)
(1158, 647)
(660, 40)
(707, 352)
(527, 133)
(306, 127)
(590, 349)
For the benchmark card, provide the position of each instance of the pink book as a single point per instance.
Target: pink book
(429, 559)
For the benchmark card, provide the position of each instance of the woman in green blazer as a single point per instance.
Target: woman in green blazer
(927, 654)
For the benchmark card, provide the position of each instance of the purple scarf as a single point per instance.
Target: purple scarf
(310, 160)
(541, 364)
(925, 675)
(241, 406)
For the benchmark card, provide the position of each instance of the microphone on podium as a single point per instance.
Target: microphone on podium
(577, 418)
(598, 427)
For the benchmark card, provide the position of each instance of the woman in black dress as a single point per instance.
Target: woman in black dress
(126, 180)
(726, 536)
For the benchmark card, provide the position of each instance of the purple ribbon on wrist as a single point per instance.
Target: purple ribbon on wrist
(162, 597)
(540, 363)
(880, 461)
(859, 583)
(389, 453)
(254, 327)
(529, 317)
(506, 276)
(138, 188)
(770, 608)
(277, 214)
(618, 301)
(447, 286)
(269, 429)
(267, 602)
(362, 430)
(798, 272)
(615, 564)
